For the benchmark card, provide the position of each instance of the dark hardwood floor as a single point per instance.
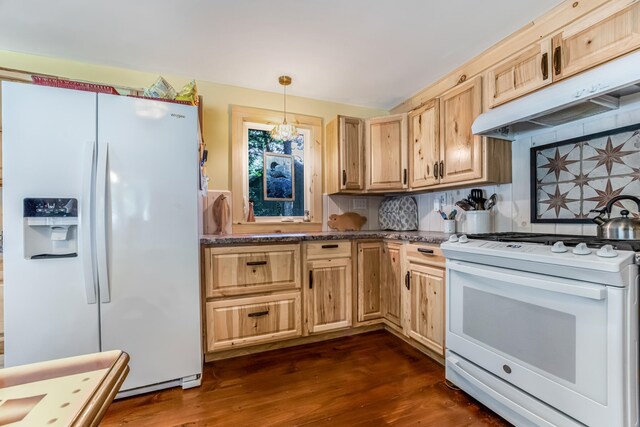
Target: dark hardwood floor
(372, 379)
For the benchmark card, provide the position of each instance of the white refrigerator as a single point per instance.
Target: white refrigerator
(101, 240)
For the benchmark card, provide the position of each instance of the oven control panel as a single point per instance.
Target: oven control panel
(605, 259)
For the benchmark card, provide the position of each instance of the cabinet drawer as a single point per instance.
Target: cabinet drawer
(328, 249)
(247, 321)
(426, 254)
(243, 270)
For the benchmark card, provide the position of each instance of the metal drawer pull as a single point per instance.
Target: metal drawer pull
(259, 313)
(426, 251)
(250, 263)
(310, 279)
(329, 246)
(407, 280)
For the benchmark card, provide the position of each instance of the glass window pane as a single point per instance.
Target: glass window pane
(283, 176)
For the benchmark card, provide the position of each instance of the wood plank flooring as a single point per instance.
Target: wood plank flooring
(372, 379)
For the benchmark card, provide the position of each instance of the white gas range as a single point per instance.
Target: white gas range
(545, 333)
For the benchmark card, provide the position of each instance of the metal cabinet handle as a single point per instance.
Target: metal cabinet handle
(426, 251)
(256, 263)
(310, 279)
(329, 246)
(435, 170)
(344, 177)
(407, 280)
(259, 313)
(557, 60)
(404, 179)
(441, 169)
(544, 64)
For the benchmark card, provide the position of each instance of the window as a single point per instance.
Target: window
(282, 179)
(276, 173)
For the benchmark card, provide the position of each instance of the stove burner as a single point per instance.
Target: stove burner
(549, 239)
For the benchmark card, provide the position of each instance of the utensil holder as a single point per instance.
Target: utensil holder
(478, 222)
(449, 226)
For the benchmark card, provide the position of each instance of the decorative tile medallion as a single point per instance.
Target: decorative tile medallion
(570, 178)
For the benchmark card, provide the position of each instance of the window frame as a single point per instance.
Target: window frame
(241, 119)
(307, 160)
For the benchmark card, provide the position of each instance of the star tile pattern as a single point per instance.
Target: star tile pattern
(574, 178)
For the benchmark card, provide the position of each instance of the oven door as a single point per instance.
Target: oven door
(557, 339)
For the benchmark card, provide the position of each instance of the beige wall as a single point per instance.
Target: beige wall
(217, 99)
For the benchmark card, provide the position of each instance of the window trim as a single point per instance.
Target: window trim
(240, 117)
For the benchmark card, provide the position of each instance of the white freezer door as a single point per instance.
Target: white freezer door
(150, 294)
(48, 137)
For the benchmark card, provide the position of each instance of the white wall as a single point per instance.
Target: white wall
(513, 211)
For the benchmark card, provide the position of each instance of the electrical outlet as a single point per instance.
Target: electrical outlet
(359, 204)
(436, 205)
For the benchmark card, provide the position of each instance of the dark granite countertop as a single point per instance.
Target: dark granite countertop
(405, 236)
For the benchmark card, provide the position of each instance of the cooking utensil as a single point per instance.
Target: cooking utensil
(443, 215)
(453, 214)
(620, 228)
(464, 205)
(490, 202)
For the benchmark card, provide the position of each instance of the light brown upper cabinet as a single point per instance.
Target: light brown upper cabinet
(461, 151)
(386, 140)
(520, 74)
(344, 155)
(599, 37)
(424, 145)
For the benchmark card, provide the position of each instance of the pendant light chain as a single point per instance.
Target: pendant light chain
(285, 105)
(284, 131)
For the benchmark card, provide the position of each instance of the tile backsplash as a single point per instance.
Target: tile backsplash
(513, 210)
(366, 206)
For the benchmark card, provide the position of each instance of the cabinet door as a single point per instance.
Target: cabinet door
(520, 74)
(369, 281)
(392, 283)
(351, 136)
(424, 145)
(600, 37)
(461, 151)
(387, 152)
(328, 297)
(427, 323)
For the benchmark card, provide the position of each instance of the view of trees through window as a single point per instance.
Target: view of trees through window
(260, 142)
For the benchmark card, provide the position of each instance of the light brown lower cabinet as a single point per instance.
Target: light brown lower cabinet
(426, 317)
(334, 296)
(328, 295)
(369, 281)
(253, 320)
(391, 267)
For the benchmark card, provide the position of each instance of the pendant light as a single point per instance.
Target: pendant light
(284, 131)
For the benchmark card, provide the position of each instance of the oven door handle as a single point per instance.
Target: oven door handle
(551, 284)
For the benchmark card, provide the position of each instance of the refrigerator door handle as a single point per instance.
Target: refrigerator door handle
(85, 224)
(101, 223)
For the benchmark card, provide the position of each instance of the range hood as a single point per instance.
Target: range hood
(587, 94)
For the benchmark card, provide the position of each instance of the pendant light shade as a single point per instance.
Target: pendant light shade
(284, 131)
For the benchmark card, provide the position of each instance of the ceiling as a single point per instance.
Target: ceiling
(374, 53)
